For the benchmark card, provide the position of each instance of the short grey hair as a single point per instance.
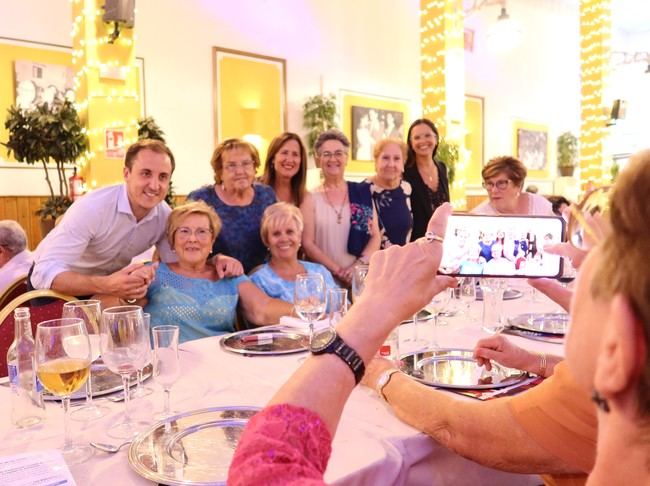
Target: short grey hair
(12, 236)
(331, 134)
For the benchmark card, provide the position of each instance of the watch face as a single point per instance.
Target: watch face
(322, 339)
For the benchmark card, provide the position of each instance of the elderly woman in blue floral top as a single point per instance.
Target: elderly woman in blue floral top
(341, 226)
(391, 194)
(238, 200)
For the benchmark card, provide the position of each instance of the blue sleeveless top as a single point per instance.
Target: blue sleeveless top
(278, 288)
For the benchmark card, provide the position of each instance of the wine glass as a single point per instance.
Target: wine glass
(309, 298)
(467, 292)
(124, 343)
(63, 370)
(337, 305)
(142, 390)
(166, 366)
(359, 280)
(492, 290)
(436, 305)
(91, 313)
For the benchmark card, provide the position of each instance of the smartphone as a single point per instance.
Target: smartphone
(501, 246)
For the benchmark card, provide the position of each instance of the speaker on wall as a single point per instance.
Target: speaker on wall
(121, 11)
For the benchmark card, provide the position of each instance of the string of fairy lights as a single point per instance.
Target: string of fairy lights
(90, 38)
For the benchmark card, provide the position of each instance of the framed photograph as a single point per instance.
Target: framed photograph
(250, 96)
(366, 119)
(531, 146)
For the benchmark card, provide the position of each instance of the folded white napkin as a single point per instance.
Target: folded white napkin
(296, 323)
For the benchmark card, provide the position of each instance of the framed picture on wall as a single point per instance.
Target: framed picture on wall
(531, 146)
(366, 119)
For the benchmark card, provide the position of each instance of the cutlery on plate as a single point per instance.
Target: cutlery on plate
(110, 448)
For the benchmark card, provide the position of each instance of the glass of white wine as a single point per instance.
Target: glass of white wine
(124, 343)
(63, 370)
(91, 313)
(309, 299)
(166, 366)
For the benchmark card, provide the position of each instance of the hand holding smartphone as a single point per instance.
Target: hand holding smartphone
(501, 246)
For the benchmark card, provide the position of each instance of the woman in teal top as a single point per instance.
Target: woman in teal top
(281, 232)
(190, 294)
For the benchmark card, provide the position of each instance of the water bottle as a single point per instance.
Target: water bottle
(390, 348)
(27, 406)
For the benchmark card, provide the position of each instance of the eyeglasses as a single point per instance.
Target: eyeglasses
(339, 154)
(585, 228)
(233, 166)
(501, 185)
(202, 234)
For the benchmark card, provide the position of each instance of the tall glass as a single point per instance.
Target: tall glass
(142, 390)
(63, 370)
(90, 312)
(492, 290)
(467, 292)
(309, 299)
(124, 342)
(337, 305)
(166, 366)
(359, 280)
(436, 306)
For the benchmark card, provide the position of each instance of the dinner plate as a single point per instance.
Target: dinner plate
(508, 294)
(555, 323)
(456, 368)
(104, 382)
(266, 341)
(191, 448)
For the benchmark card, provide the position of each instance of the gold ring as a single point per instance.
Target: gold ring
(430, 236)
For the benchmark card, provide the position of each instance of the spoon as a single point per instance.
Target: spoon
(108, 447)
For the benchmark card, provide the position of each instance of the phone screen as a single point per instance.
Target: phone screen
(501, 246)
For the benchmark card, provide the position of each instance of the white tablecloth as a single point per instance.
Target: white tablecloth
(371, 445)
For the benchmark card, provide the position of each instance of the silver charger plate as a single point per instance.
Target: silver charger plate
(266, 341)
(104, 382)
(509, 294)
(196, 448)
(456, 368)
(555, 323)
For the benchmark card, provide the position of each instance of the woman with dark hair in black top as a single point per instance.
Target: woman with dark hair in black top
(427, 176)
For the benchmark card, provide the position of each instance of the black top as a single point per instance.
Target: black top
(423, 200)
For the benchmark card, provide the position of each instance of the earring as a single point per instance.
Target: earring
(600, 401)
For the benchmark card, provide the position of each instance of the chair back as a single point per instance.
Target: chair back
(15, 288)
(40, 313)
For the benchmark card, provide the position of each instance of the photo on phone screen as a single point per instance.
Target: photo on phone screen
(501, 246)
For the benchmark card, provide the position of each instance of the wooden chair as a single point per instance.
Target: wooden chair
(15, 288)
(40, 313)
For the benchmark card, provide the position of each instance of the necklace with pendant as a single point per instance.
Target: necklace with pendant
(339, 212)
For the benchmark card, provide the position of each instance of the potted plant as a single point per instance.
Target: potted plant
(448, 154)
(48, 132)
(319, 114)
(567, 153)
(148, 128)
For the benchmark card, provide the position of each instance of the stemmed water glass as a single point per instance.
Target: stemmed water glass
(467, 292)
(166, 366)
(337, 305)
(124, 342)
(436, 306)
(309, 299)
(142, 390)
(359, 275)
(90, 312)
(63, 370)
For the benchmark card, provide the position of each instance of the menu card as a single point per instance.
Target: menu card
(43, 468)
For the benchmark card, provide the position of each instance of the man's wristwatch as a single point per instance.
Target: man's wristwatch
(328, 341)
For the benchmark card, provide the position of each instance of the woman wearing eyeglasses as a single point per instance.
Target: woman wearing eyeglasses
(340, 222)
(238, 200)
(503, 178)
(189, 293)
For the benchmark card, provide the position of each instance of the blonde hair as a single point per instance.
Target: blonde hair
(381, 145)
(179, 213)
(231, 144)
(513, 168)
(277, 214)
(623, 265)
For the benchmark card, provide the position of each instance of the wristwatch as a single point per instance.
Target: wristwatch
(383, 380)
(328, 341)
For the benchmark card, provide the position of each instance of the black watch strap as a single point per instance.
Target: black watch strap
(349, 356)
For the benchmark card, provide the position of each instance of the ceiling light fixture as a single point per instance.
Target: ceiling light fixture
(505, 33)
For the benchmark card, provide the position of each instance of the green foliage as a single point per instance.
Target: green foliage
(567, 150)
(448, 154)
(148, 128)
(319, 114)
(48, 132)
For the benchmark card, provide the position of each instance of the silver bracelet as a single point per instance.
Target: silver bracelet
(384, 379)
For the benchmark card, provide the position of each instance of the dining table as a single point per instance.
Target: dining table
(371, 446)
